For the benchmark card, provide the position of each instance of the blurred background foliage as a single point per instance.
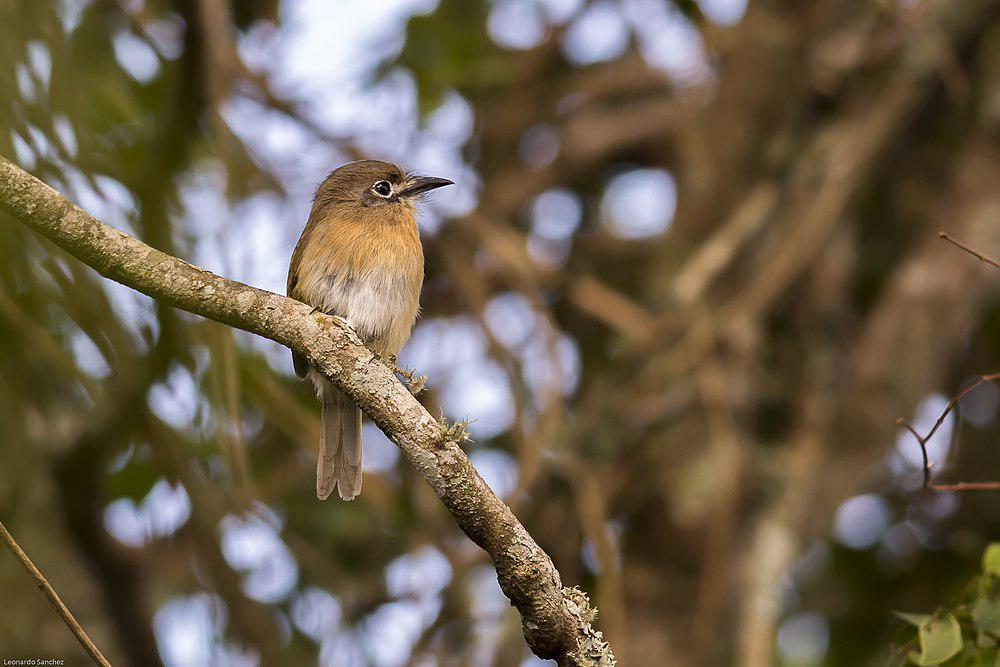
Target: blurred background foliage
(688, 279)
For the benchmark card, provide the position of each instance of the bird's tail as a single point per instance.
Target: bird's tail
(339, 462)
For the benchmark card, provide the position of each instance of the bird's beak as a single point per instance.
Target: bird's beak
(419, 184)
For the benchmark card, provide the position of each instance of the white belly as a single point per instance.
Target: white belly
(381, 307)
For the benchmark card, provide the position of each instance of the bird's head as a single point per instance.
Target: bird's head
(374, 187)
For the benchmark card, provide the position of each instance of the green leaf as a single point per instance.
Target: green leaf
(991, 559)
(940, 639)
(986, 616)
(913, 619)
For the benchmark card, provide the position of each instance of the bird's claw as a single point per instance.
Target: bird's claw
(415, 383)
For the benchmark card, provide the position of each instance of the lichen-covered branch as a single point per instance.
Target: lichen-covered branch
(557, 623)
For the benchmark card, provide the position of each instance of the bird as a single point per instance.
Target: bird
(360, 258)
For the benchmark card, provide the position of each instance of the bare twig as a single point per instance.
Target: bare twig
(922, 441)
(972, 251)
(53, 598)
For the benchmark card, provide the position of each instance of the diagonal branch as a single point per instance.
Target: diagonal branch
(969, 249)
(556, 621)
(53, 598)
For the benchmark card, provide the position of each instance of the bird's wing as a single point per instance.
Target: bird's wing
(292, 290)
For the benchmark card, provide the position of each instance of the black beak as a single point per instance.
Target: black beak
(420, 184)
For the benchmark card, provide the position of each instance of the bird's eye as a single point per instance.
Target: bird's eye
(382, 188)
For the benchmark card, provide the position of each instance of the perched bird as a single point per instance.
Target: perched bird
(359, 257)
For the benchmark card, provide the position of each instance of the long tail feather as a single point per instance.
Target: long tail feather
(339, 463)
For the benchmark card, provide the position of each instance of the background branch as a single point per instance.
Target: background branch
(53, 598)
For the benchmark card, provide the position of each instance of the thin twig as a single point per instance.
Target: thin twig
(922, 441)
(53, 597)
(972, 251)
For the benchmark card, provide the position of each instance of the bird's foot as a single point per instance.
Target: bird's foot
(415, 383)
